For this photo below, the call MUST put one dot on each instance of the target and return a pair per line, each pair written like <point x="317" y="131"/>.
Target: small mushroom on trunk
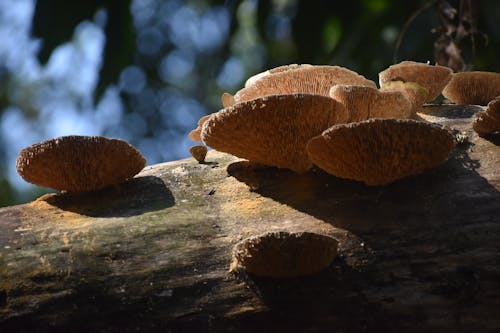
<point x="432" y="78"/>
<point x="273" y="130"/>
<point x="199" y="152"/>
<point x="367" y="102"/>
<point x="284" y="254"/>
<point x="79" y="163"/>
<point x="477" y="88"/>
<point x="380" y="151"/>
<point x="488" y="122"/>
<point x="295" y="80"/>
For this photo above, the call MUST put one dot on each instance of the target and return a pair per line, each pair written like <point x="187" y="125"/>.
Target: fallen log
<point x="419" y="255"/>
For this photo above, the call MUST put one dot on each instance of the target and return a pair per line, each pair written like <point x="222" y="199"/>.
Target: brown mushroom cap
<point x="493" y="108"/>
<point x="303" y="79"/>
<point x="199" y="153"/>
<point x="195" y="134"/>
<point x="273" y="130"/>
<point x="416" y="94"/>
<point x="227" y="99"/>
<point x="477" y="88"/>
<point x="432" y="78"/>
<point x="251" y="80"/>
<point x="79" y="163"/>
<point x="284" y="254"/>
<point x="367" y="102"/>
<point x="485" y="124"/>
<point x="380" y="151"/>
<point x="488" y="121"/>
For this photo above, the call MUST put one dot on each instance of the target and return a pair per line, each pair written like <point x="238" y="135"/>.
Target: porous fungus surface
<point x="488" y="121"/>
<point x="485" y="124"/>
<point x="284" y="254"/>
<point x="432" y="78"/>
<point x="79" y="163"/>
<point x="414" y="92"/>
<point x="273" y="130"/>
<point x="380" y="151"/>
<point x="303" y="79"/>
<point x="198" y="152"/>
<point x="367" y="102"/>
<point x="254" y="78"/>
<point x="477" y="88"/>
<point x="493" y="108"/>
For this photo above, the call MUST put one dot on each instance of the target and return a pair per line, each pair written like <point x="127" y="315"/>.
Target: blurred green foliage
<point x="55" y="20"/>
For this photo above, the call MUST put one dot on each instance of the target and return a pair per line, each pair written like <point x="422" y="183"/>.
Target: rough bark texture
<point x="419" y="255"/>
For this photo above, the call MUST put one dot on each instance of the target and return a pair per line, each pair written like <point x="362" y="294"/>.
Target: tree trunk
<point x="419" y="255"/>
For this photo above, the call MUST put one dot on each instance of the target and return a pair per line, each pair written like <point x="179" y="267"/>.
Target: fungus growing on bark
<point x="284" y="254"/>
<point x="432" y="78"/>
<point x="416" y="94"/>
<point x="302" y="79"/>
<point x="380" y="151"/>
<point x="273" y="130"/>
<point x="251" y="80"/>
<point x="488" y="121"/>
<point x="199" y="153"/>
<point x="195" y="134"/>
<point x="227" y="100"/>
<point x="79" y="163"/>
<point x="367" y="102"/>
<point x="477" y="88"/>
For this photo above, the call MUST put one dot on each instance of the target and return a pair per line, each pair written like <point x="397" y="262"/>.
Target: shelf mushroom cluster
<point x="297" y="116"/>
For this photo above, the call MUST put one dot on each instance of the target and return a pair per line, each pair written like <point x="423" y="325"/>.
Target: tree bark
<point x="419" y="255"/>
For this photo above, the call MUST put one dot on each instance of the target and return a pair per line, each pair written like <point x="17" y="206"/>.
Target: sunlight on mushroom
<point x="303" y="79"/>
<point x="79" y="163"/>
<point x="380" y="151"/>
<point x="273" y="130"/>
<point x="477" y="88"/>
<point x="366" y="102"/>
<point x="432" y="78"/>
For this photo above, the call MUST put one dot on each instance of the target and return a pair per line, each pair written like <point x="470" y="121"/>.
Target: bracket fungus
<point x="273" y="130"/>
<point x="228" y="100"/>
<point x="380" y="151"/>
<point x="79" y="163"/>
<point x="254" y="78"/>
<point x="488" y="122"/>
<point x="199" y="153"/>
<point x="432" y="78"/>
<point x="367" y="102"/>
<point x="195" y="134"/>
<point x="477" y="88"/>
<point x="306" y="79"/>
<point x="284" y="254"/>
<point x="416" y="94"/>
